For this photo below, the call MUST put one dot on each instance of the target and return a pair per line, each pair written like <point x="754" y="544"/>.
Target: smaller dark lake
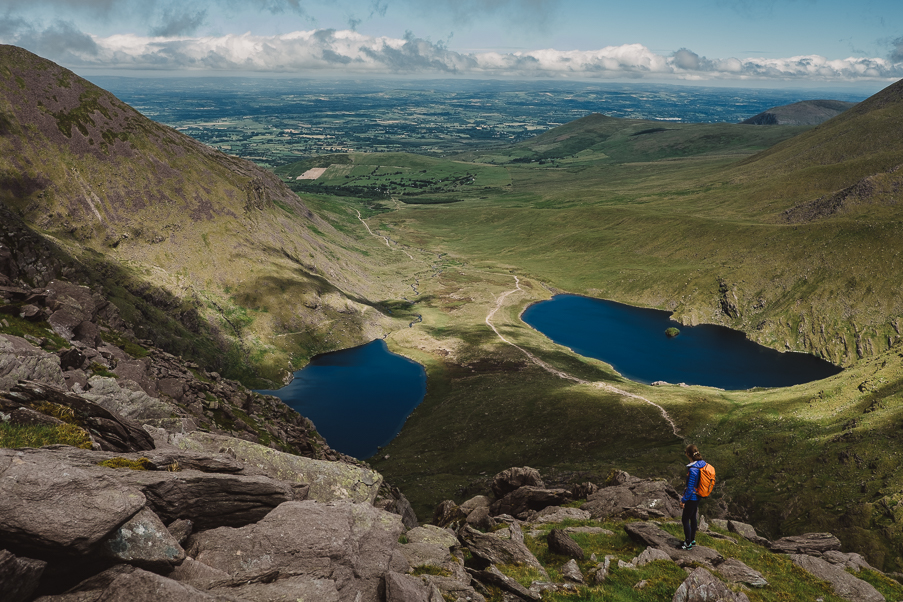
<point x="358" y="398"/>
<point x="633" y="341"/>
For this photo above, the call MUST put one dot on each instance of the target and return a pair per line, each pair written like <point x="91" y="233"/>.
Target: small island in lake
<point x="672" y="332"/>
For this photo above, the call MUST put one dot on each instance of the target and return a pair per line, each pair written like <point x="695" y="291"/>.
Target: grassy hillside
<point x="806" y="112"/>
<point x="214" y="256"/>
<point x="695" y="234"/>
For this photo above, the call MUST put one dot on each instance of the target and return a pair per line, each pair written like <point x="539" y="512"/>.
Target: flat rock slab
<point x="557" y="514"/>
<point x="353" y="545"/>
<point x="49" y="506"/>
<point x="809" y="543"/>
<point x="736" y="571"/>
<point x="845" y="585"/>
<point x="328" y="481"/>
<point x="495" y="578"/>
<point x="654" y="536"/>
<point x="702" y="586"/>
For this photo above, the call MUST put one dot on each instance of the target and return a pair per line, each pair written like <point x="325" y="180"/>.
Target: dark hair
<point x="693" y="452"/>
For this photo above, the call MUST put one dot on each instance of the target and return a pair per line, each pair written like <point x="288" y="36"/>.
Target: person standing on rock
<point x="690" y="500"/>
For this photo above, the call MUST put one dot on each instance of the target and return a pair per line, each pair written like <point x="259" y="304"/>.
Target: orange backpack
<point x="706" y="480"/>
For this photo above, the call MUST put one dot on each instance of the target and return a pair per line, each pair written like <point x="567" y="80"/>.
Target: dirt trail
<point x="385" y="238"/>
<point x="565" y="375"/>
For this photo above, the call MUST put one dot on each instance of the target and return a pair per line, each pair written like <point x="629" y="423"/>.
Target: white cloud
<point x="347" y="51"/>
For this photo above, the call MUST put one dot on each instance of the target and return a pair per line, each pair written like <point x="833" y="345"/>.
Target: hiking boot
<point x="687" y="546"/>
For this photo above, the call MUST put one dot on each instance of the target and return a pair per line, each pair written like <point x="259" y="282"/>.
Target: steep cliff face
<point x="208" y="241"/>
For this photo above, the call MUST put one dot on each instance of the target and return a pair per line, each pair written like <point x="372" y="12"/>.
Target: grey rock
<point x="494" y="578"/>
<point x="720" y="523"/>
<point x="847" y="586"/>
<point x="479" y="501"/>
<point x="19" y="577"/>
<point x="124" y="582"/>
<point x="64" y="322"/>
<point x="849" y="561"/>
<point x="571" y="572"/>
<point x="353" y="545"/>
<point x="702" y="586"/>
<point x="145" y="542"/>
<point x="649" y="497"/>
<point x="180" y="530"/>
<point x="809" y="543"/>
<point x="513" y="478"/>
<point x="583" y="490"/>
<point x="736" y="571"/>
<point x="561" y="543"/>
<point x="76" y="381"/>
<point x="432" y="534"/>
<point x="391" y="499"/>
<point x="747" y="531"/>
<point x="208" y="500"/>
<point x="20" y="360"/>
<point x="505" y="546"/>
<point x="422" y="554"/>
<point x="479" y="518"/>
<point x="454" y="589"/>
<point x="404" y="588"/>
<point x="447" y="514"/>
<point x="79" y="300"/>
<point x="136" y="405"/>
<point x="88" y="333"/>
<point x="557" y="514"/>
<point x="54" y="508"/>
<point x="288" y="588"/>
<point x="199" y="574"/>
<point x="527" y="498"/>
<point x="599" y="573"/>
<point x="654" y="536"/>
<point x="137" y="372"/>
<point x="329" y="481"/>
<point x="650" y="555"/>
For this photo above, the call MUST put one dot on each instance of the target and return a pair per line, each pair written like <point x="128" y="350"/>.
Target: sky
<point x="756" y="42"/>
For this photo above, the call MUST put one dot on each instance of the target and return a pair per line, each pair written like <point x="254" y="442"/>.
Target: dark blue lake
<point x="633" y="341"/>
<point x="358" y="398"/>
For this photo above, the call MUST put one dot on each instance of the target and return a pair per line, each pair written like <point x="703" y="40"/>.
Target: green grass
<point x="16" y="436"/>
<point x="20" y="327"/>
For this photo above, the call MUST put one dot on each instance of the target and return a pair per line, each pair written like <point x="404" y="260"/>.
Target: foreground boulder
<point x="702" y="586"/>
<point x="847" y="586"/>
<point x="50" y="507"/>
<point x="144" y="541"/>
<point x="124" y="582"/>
<point x="647" y="498"/>
<point x="300" y="546"/>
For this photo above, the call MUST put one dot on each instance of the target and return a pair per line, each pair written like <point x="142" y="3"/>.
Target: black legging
<point x="689" y="520"/>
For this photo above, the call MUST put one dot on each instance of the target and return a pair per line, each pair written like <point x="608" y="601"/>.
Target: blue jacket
<point x="692" y="481"/>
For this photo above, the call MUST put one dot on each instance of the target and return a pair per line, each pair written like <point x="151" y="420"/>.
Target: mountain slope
<point x="806" y="112"/>
<point x="212" y="240"/>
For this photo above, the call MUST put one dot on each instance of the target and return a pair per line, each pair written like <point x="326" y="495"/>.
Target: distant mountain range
<point x="807" y="112"/>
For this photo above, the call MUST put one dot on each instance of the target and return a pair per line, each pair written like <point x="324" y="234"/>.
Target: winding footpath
<point x="551" y="369"/>
<point x="386" y="238"/>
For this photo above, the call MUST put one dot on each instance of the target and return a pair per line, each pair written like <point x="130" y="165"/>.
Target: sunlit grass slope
<point x="211" y="256"/>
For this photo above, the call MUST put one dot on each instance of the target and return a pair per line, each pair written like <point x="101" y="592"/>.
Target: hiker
<point x="691" y="497"/>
